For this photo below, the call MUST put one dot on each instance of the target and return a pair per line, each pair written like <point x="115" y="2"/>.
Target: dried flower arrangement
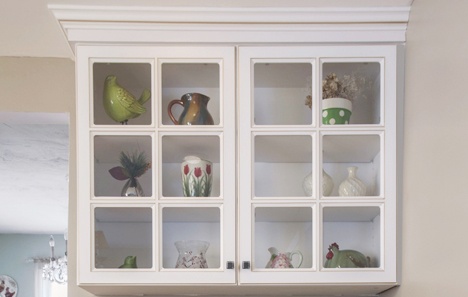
<point x="350" y="86"/>
<point x="132" y="166"/>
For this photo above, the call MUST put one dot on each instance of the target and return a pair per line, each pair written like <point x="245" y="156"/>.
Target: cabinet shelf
<point x="195" y="213"/>
<point x="346" y="148"/>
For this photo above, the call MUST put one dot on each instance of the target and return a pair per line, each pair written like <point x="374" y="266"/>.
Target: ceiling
<point x="34" y="152"/>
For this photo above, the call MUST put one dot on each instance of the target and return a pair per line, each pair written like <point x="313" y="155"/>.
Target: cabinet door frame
<point x="387" y="201"/>
<point x="86" y="55"/>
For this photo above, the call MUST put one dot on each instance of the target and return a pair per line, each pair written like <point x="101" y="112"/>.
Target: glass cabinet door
<point x="316" y="173"/>
<point x="157" y="176"/>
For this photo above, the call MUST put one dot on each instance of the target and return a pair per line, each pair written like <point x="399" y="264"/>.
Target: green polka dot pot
<point x="336" y="111"/>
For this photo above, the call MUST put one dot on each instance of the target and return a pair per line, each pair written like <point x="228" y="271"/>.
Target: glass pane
<point x="351" y="237"/>
<point x="123" y="237"/>
<point x="351" y="93"/>
<point x="283" y="230"/>
<point x="191" y="166"/>
<point x="179" y="79"/>
<point x="122" y="93"/>
<point x="122" y="166"/>
<point x="191" y="237"/>
<point x="281" y="92"/>
<point x="353" y="163"/>
<point x="281" y="164"/>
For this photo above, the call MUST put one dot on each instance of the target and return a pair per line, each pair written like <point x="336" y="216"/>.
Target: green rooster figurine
<point x="129" y="262"/>
<point x="119" y="104"/>
<point x="345" y="258"/>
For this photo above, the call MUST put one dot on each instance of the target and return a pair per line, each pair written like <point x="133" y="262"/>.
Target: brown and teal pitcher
<point x="195" y="110"/>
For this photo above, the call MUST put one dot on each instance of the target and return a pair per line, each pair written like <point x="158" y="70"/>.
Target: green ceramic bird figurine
<point x="345" y="258"/>
<point x="129" y="262"/>
<point x="121" y="105"/>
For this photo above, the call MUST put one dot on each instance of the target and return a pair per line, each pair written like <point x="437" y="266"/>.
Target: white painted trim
<point x="232" y="25"/>
<point x="124" y="33"/>
<point x="250" y="15"/>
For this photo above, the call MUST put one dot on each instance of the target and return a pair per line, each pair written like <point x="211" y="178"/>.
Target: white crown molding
<point x="250" y="15"/>
<point x="137" y="24"/>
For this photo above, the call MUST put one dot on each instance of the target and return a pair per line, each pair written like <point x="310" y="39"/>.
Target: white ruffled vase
<point x="352" y="186"/>
<point x="327" y="184"/>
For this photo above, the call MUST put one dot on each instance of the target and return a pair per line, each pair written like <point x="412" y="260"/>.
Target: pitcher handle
<point x="299" y="254"/>
<point x="169" y="109"/>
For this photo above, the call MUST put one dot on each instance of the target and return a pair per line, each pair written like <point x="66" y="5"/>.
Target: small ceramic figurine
<point x="195" y="110"/>
<point x="129" y="262"/>
<point x="345" y="258"/>
<point x="283" y="259"/>
<point x="119" y="104"/>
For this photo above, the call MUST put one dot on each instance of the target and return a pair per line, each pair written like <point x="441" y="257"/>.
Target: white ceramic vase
<point x="352" y="186"/>
<point x="327" y="184"/>
<point x="197" y="177"/>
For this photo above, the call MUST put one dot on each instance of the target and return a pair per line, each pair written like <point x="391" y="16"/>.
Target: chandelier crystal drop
<point x="56" y="270"/>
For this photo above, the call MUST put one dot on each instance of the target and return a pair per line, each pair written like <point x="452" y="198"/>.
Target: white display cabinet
<point x="282" y="144"/>
<point x="272" y="135"/>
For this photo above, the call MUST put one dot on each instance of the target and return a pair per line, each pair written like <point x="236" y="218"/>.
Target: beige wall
<point x="45" y="85"/>
<point x="435" y="203"/>
<point x="435" y="195"/>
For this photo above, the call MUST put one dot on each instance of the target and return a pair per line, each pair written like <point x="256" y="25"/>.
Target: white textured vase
<point x="352" y="186"/>
<point x="327" y="184"/>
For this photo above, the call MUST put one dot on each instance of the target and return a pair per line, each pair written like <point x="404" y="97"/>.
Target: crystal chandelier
<point x="56" y="269"/>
